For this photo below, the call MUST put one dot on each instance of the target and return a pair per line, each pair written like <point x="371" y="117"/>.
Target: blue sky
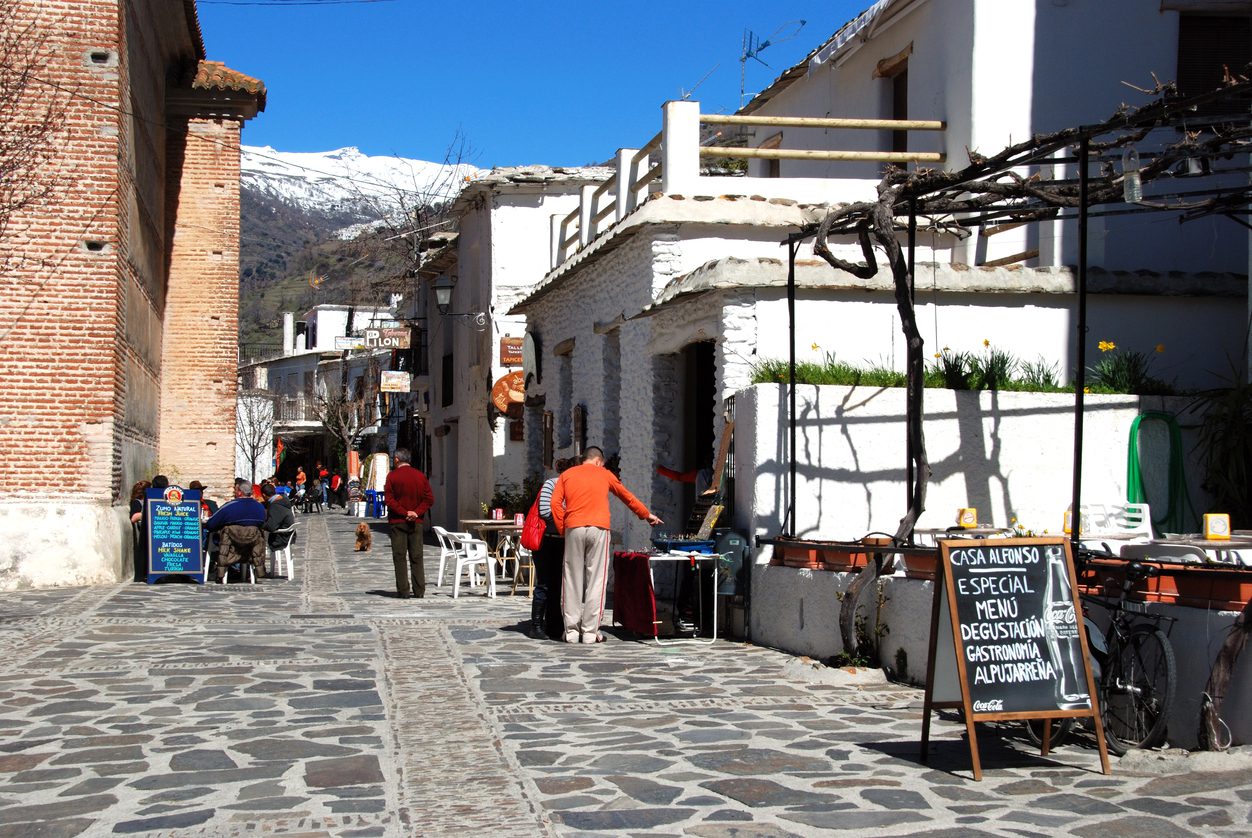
<point x="562" y="83"/>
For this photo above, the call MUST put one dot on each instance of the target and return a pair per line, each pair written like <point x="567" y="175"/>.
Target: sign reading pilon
<point x="1007" y="639"/>
<point x="386" y="338"/>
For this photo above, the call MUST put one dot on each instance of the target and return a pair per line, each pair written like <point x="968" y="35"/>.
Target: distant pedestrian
<point x="408" y="498"/>
<point x="580" y="510"/>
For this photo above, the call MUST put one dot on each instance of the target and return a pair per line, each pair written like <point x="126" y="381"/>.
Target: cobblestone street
<point x="326" y="706"/>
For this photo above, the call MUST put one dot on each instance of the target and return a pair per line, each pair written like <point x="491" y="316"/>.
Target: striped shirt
<point x="545" y="504"/>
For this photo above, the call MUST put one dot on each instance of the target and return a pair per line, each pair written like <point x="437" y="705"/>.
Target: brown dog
<point x="364" y="538"/>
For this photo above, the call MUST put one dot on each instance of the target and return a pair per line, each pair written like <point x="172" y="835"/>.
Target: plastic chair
<point x="1125" y="522"/>
<point x="525" y="565"/>
<point x="475" y="553"/>
<point x="449" y="548"/>
<point x="279" y="555"/>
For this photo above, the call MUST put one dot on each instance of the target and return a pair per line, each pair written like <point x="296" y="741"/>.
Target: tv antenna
<point x="686" y="94"/>
<point x="753" y="46"/>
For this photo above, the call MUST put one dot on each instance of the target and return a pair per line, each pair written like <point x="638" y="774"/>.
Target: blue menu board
<point x="174" y="533"/>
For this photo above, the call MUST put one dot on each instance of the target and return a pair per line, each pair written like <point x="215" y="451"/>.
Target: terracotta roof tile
<point x="214" y="75"/>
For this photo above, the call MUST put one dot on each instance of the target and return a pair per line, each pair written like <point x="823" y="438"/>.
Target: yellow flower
<point x="986" y="342"/>
<point x="1086" y="389"/>
<point x="938" y="354"/>
<point x="815" y="346"/>
<point x="1160" y="347"/>
<point x="1106" y="346"/>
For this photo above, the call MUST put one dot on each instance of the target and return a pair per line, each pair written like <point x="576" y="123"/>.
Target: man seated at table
<point x="278" y="515"/>
<point x="237" y="530"/>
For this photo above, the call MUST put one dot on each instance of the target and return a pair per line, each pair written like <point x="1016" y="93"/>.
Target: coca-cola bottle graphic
<point x="1060" y="622"/>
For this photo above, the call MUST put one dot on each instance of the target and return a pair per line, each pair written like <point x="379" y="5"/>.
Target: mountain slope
<point x="317" y="228"/>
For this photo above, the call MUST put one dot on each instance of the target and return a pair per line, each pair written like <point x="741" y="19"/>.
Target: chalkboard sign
<point x="174" y="533"/>
<point x="1007" y="638"/>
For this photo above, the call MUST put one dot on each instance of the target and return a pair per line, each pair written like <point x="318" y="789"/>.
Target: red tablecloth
<point x="634" y="601"/>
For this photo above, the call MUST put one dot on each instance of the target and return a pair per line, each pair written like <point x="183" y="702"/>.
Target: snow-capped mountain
<point x="347" y="182"/>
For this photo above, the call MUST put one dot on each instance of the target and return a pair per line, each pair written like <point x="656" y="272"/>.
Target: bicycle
<point x="1133" y="667"/>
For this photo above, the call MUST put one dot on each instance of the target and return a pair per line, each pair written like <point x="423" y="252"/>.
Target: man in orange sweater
<point x="580" y="510"/>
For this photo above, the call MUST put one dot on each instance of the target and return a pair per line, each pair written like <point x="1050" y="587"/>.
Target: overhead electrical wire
<point x="279" y="3"/>
<point x="442" y="194"/>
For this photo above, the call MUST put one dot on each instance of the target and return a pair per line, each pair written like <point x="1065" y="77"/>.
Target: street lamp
<point x="443" y="293"/>
<point x="443" y="301"/>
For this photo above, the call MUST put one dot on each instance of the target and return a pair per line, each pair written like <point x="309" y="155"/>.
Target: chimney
<point x="289" y="332"/>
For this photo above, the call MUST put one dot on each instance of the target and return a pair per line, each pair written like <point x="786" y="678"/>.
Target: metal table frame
<point x="678" y="556"/>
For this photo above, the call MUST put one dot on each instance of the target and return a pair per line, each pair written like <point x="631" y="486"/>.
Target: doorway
<point x="699" y="410"/>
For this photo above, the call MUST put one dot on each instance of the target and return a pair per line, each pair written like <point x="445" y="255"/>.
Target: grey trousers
<point x="582" y="582"/>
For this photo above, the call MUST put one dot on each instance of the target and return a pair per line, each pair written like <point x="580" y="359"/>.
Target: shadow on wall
<point x="1003" y="453"/>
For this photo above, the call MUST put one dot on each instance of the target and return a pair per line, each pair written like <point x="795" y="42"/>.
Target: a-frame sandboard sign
<point x="1007" y="639"/>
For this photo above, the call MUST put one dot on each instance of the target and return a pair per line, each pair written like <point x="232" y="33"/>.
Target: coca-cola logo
<point x="1060" y="615"/>
<point x="990" y="705"/>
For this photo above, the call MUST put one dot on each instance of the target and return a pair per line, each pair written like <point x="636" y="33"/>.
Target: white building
<point x="664" y="292"/>
<point x="499" y="253"/>
<point x="291" y="387"/>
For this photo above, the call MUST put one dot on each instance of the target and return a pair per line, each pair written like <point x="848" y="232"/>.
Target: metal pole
<point x="1080" y="381"/>
<point x="792" y="246"/>
<point x="910" y="475"/>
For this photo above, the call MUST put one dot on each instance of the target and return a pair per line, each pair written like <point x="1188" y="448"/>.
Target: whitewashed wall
<point x="994" y="71"/>
<point x="1007" y="454"/>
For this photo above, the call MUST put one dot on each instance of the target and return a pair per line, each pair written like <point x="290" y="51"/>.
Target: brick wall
<point x="59" y="312"/>
<point x="118" y="295"/>
<point x="198" y="383"/>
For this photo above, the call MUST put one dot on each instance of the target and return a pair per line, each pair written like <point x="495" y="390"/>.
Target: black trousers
<point x="406" y="555"/>
<point x="549" y="560"/>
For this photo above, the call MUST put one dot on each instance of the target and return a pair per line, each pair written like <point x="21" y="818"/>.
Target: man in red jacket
<point x="408" y="497"/>
<point x="580" y="510"/>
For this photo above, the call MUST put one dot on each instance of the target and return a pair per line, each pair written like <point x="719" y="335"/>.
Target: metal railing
<point x="295" y="409"/>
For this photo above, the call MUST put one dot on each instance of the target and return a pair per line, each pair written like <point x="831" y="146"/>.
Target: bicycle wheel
<point x="1060" y="731"/>
<point x="1137" y="691"/>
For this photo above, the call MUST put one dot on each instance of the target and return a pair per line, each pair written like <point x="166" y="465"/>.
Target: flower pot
<point x="842" y="559"/>
<point x="920" y="566"/>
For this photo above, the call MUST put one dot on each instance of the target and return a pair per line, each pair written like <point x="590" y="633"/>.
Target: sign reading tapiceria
<point x="1007" y="640"/>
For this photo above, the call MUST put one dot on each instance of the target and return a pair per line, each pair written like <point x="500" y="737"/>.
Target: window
<point x="445" y="381"/>
<point x="900" y="107"/>
<point x="1208" y="45"/>
<point x="772" y="168"/>
<point x="895" y="69"/>
<point x="547" y="439"/>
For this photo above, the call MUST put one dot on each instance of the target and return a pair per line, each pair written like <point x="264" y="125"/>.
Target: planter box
<point x="1195" y="586"/>
<point x="1219" y="589"/>
<point x="818" y="555"/>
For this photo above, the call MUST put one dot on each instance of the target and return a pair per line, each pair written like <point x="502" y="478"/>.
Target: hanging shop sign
<point x="507" y="390"/>
<point x="348" y="344"/>
<point x="511" y="354"/>
<point x="397" y="338"/>
<point x="391" y="381"/>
